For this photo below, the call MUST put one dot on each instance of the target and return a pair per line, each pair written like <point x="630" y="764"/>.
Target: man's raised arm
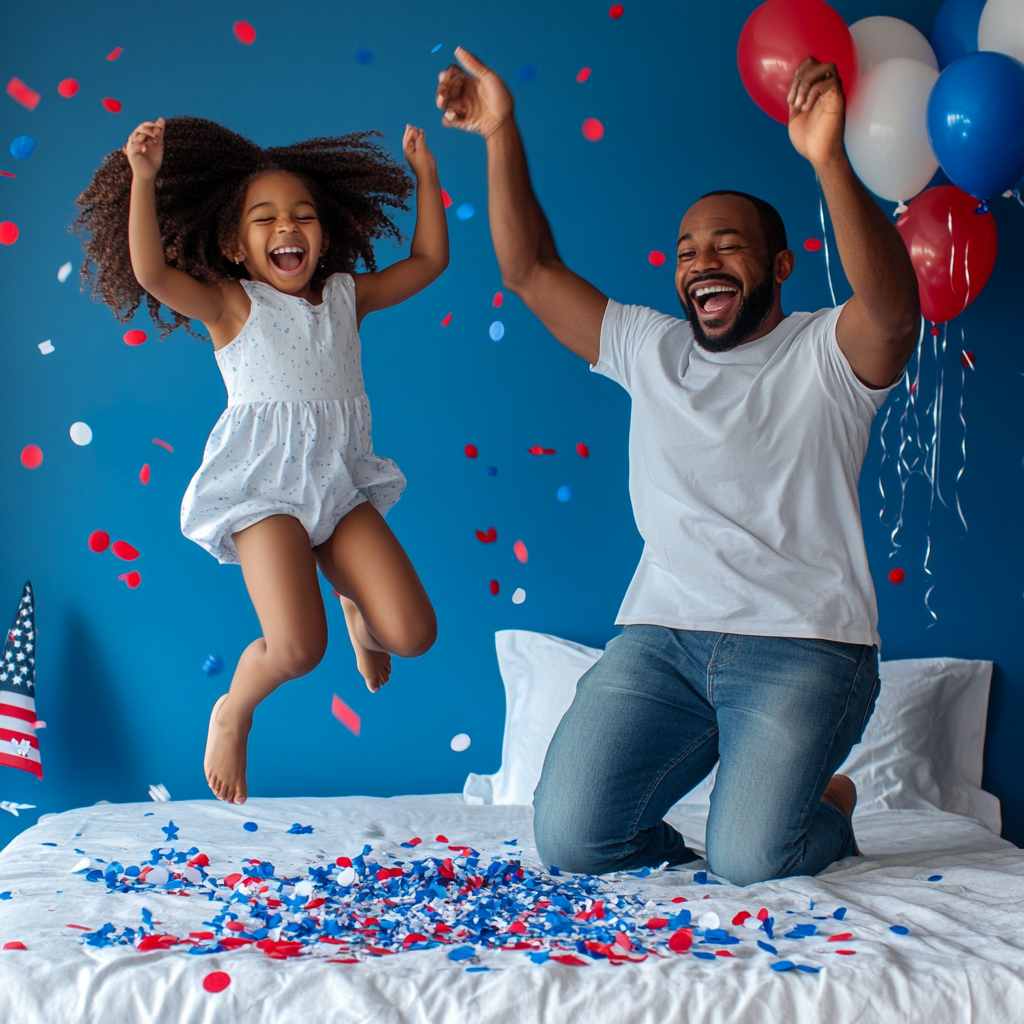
<point x="569" y="307"/>
<point x="878" y="327"/>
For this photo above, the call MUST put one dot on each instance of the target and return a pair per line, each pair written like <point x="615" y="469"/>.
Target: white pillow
<point x="922" y="747"/>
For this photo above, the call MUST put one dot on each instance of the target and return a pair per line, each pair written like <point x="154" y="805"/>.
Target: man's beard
<point x="754" y="309"/>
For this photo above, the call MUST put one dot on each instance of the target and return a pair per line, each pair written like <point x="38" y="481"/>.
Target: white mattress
<point x="963" y="959"/>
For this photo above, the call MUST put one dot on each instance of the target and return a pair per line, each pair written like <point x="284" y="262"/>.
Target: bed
<point x="435" y="908"/>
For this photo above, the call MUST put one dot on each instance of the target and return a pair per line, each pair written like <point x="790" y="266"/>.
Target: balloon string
<point x="940" y="389"/>
<point x="903" y="468"/>
<point x="963" y="424"/>
<point x="881" y="464"/>
<point x="824" y="236"/>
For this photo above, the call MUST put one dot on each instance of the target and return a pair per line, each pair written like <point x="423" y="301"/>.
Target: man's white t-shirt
<point x="743" y="469"/>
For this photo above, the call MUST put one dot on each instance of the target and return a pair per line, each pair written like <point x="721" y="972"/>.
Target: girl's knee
<point x="297" y="658"/>
<point x="411" y="637"/>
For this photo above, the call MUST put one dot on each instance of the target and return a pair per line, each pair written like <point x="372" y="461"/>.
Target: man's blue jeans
<point x="652" y="717"/>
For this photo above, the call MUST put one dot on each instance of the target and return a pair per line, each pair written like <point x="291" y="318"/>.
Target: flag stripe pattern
<point x="19" y="747"/>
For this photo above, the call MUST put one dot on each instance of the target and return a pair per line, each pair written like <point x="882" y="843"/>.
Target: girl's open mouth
<point x="288" y="258"/>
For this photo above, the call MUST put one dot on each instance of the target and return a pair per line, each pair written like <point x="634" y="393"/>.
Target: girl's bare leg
<point x="280" y="573"/>
<point x="387" y="611"/>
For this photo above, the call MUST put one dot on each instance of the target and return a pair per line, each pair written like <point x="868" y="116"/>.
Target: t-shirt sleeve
<point x="840" y="380"/>
<point x="624" y="331"/>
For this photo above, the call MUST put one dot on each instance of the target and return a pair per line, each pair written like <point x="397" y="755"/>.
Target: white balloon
<point x="887" y="130"/>
<point x="1001" y="27"/>
<point x="881" y="38"/>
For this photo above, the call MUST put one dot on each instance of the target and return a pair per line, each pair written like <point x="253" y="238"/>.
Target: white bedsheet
<point x="963" y="959"/>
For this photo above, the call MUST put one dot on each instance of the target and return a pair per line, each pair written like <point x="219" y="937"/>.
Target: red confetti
<point x="655" y="258"/>
<point x="163" y="444"/>
<point x="14" y="944"/>
<point x="593" y="130"/>
<point x="582" y="451"/>
<point x="935" y="332"/>
<point x="7" y="174"/>
<point x="897" y="576"/>
<point x="125" y="551"/>
<point x="156" y="942"/>
<point x="681" y="940"/>
<point x="31" y="456"/>
<point x="112" y="105"/>
<point x="846" y="952"/>
<point x="520" y="549"/>
<point x="967" y="359"/>
<point x="216" y="981"/>
<point x="343" y="862"/>
<point x="8" y="232"/>
<point x="569" y="960"/>
<point x="445" y="198"/>
<point x="616" y="11"/>
<point x="67" y="88"/>
<point x="657" y="922"/>
<point x="678" y="899"/>
<point x="144" y="473"/>
<point x="762" y="914"/>
<point x="235" y="926"/>
<point x="840" y="938"/>
<point x="135" y="337"/>
<point x="487" y="538"/>
<point x="447" y="320"/>
<point x="415" y="842"/>
<point x="723" y="952"/>
<point x="133" y="579"/>
<point x="441" y="839"/>
<point x="812" y="244"/>
<point x="498" y="299"/>
<point x="21" y="93"/>
<point x="741" y="917"/>
<point x="244" y="33"/>
<point x="471" y="451"/>
<point x="344" y="714"/>
<point x="622" y="939"/>
<point x="86" y="928"/>
<point x="99" y="540"/>
<point x="583" y="74"/>
<point x="115" y="53"/>
<point x="537" y="450"/>
<point x="495" y="587"/>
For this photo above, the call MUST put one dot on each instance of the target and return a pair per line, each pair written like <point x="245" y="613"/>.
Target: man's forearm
<point x="875" y="260"/>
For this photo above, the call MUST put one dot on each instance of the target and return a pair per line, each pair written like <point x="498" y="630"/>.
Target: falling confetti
<point x="31" y="456"/>
<point x="538" y="450"/>
<point x="593" y="130"/>
<point x="499" y="298"/>
<point x="519" y="596"/>
<point x="46" y="347"/>
<point x="115" y="53"/>
<point x="564" y="493"/>
<point x="22" y="147"/>
<point x="132" y="579"/>
<point x="67" y="88"/>
<point x="134" y="337"/>
<point x="616" y="11"/>
<point x="527" y="73"/>
<point x="655" y="258"/>
<point x="8" y="232"/>
<point x="163" y="444"/>
<point x="812" y="244"/>
<point x="81" y="433"/>
<point x="13" y="808"/>
<point x="21" y="93"/>
<point x="445" y="198"/>
<point x="216" y="981"/>
<point x="582" y="450"/>
<point x="471" y="451"/>
<point x="111" y="105"/>
<point x="159" y="793"/>
<point x="64" y="272"/>
<point x="496" y="331"/>
<point x="495" y="587"/>
<point x="460" y="742"/>
<point x="144" y="474"/>
<point x="244" y="33"/>
<point x="520" y="551"/>
<point x="583" y="74"/>
<point x="465" y="211"/>
<point x="434" y="49"/>
<point x="213" y="665"/>
<point x="123" y="550"/>
<point x="364" y="56"/>
<point x="487" y="538"/>
<point x="447" y="320"/>
<point x="492" y="470"/>
<point x="344" y="714"/>
<point x="897" y="576"/>
<point x="99" y="540"/>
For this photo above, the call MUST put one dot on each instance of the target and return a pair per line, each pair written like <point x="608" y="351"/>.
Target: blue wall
<point x="119" y="677"/>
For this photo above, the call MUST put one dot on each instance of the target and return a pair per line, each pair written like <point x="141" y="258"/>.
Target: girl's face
<point x="280" y="238"/>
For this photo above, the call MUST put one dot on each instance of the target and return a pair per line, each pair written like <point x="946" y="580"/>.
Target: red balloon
<point x="778" y="36"/>
<point x="953" y="249"/>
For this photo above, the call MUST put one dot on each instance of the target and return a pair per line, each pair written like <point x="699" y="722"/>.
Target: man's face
<point x="726" y="281"/>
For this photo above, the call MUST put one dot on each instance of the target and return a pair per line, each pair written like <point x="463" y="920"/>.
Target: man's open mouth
<point x="714" y="299"/>
<point x="288" y="258"/>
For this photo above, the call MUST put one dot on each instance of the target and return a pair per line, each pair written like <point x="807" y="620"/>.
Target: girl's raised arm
<point x="174" y="288"/>
<point x="428" y="256"/>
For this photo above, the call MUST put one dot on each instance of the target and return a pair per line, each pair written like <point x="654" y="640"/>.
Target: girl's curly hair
<point x="200" y="188"/>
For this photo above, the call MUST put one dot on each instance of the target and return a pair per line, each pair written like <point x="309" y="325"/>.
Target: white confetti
<point x="304" y="888"/>
<point x="519" y="596"/>
<point x="193" y="875"/>
<point x="752" y="923"/>
<point x="158" y="876"/>
<point x="346" y="876"/>
<point x="82" y="865"/>
<point x="65" y="272"/>
<point x="13" y="808"/>
<point x="460" y="742"/>
<point x="46" y="347"/>
<point x="709" y="920"/>
<point x="159" y="794"/>
<point x="81" y="433"/>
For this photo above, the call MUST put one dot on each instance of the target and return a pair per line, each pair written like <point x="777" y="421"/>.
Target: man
<point x="750" y="625"/>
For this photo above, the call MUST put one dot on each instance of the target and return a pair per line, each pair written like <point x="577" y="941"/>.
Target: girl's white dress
<point x="295" y="437"/>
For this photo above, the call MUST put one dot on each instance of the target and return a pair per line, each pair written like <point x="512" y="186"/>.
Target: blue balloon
<point x="976" y="122"/>
<point x="955" y="31"/>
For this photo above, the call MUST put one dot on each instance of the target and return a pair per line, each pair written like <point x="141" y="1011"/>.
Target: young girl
<point x="260" y="246"/>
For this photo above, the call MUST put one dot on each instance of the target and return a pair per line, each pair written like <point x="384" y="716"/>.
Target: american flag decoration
<point x="19" y="747"/>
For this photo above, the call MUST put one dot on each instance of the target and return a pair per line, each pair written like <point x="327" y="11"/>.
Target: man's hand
<point x="475" y="102"/>
<point x="817" y="112"/>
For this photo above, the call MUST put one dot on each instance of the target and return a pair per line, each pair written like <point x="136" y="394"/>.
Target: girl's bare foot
<point x="224" y="762"/>
<point x="842" y="793"/>
<point x="374" y="666"/>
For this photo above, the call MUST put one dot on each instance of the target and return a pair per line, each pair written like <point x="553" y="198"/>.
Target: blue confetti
<point x="935" y="878"/>
<point x="782" y="965"/>
<point x="839" y="914"/>
<point x="565" y="493"/>
<point x="704" y="956"/>
<point x="768" y="924"/>
<point x="470" y="970"/>
<point x="462" y="953"/>
<point x="510" y="842"/>
<point x="5" y="895"/>
<point x="434" y="49"/>
<point x="212" y="665"/>
<point x="768" y="948"/>
<point x="898" y="929"/>
<point x="527" y="73"/>
<point x="492" y="470"/>
<point x="47" y="844"/>
<point x="300" y="830"/>
<point x="802" y="931"/>
<point x="700" y="878"/>
<point x="807" y="969"/>
<point x="364" y="56"/>
<point x="250" y="826"/>
<point x="170" y="830"/>
<point x="497" y="329"/>
<point x="539" y="958"/>
<point x="465" y="211"/>
<point x="22" y="146"/>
